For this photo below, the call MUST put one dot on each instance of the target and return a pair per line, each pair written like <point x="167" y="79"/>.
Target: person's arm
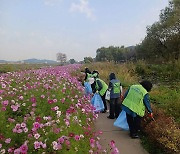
<point x="121" y="89"/>
<point x="110" y="86"/>
<point x="126" y="93"/>
<point x="146" y="101"/>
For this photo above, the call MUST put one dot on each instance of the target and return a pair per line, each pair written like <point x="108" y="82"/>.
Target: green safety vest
<point x="88" y="76"/>
<point x="134" y="99"/>
<point x="104" y="88"/>
<point x="116" y="87"/>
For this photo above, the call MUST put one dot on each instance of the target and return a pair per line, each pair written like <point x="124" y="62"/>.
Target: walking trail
<point x="123" y="142"/>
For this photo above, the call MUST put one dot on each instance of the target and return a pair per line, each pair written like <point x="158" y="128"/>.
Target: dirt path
<point x="124" y="143"/>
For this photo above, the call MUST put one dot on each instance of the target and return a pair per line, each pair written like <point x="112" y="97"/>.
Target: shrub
<point x="163" y="132"/>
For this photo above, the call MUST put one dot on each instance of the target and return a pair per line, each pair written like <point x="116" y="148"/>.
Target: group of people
<point x="134" y="102"/>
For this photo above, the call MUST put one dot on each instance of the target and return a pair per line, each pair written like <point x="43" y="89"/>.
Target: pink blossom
<point x="17" y="151"/>
<point x="115" y="151"/>
<point x="8" y="140"/>
<point x="36" y="145"/>
<point x="10" y="150"/>
<point x="14" y="107"/>
<point x="61" y="140"/>
<point x="21" y="97"/>
<point x="42" y="96"/>
<point x="25" y="129"/>
<point x="24" y="148"/>
<point x="5" y="103"/>
<point x="0" y="145"/>
<point x="77" y="137"/>
<point x="11" y="120"/>
<point x="67" y="142"/>
<point x="36" y="136"/>
<point x="19" y="131"/>
<point x="3" y="85"/>
<point x="33" y="99"/>
<point x="112" y="144"/>
<point x="23" y="125"/>
<point x="36" y="125"/>
<point x="3" y="108"/>
<point x="44" y="145"/>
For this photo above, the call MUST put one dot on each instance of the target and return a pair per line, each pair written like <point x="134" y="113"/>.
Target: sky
<point x="42" y="28"/>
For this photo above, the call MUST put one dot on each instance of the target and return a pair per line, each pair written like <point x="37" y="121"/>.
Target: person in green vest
<point x="100" y="87"/>
<point x="136" y="100"/>
<point x="115" y="89"/>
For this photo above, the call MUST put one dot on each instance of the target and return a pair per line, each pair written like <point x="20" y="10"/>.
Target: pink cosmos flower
<point x="36" y="136"/>
<point x="67" y="142"/>
<point x="24" y="148"/>
<point x="36" y="145"/>
<point x="10" y="150"/>
<point x="42" y="96"/>
<point x="19" y="131"/>
<point x="23" y="125"/>
<point x="115" y="151"/>
<point x="21" y="97"/>
<point x="61" y="140"/>
<point x="33" y="99"/>
<point x="11" y="120"/>
<point x="36" y="125"/>
<point x="38" y="119"/>
<point x="25" y="129"/>
<point x="77" y="137"/>
<point x="17" y="151"/>
<point x="3" y="108"/>
<point x="112" y="144"/>
<point x="5" y="103"/>
<point x="8" y="140"/>
<point x="14" y="107"/>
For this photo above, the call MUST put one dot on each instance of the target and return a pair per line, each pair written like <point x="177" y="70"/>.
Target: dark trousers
<point x="114" y="107"/>
<point x="104" y="101"/>
<point x="134" y="123"/>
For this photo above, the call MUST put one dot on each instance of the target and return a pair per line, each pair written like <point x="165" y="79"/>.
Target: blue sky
<point x="42" y="28"/>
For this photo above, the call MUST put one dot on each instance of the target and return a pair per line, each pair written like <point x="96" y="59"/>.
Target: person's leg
<point x="104" y="102"/>
<point x="117" y="107"/>
<point x="137" y="123"/>
<point x="112" y="108"/>
<point x="130" y="121"/>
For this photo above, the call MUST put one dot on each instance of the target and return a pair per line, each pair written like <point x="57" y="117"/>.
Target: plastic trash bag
<point x="91" y="80"/>
<point x="88" y="89"/>
<point x="121" y="121"/>
<point x="107" y="97"/>
<point x="97" y="102"/>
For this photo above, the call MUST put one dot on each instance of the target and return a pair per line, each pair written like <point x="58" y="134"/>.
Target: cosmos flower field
<point x="46" y="111"/>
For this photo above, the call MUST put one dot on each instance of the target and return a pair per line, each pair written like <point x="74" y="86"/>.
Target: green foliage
<point x="88" y="59"/>
<point x="163" y="37"/>
<point x="116" y="54"/>
<point x="72" y="61"/>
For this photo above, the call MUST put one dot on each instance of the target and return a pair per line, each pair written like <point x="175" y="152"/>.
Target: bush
<point x="163" y="132"/>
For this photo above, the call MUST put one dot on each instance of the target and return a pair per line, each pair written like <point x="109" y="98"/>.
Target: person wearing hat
<point x="115" y="89"/>
<point x="100" y="87"/>
<point x="136" y="99"/>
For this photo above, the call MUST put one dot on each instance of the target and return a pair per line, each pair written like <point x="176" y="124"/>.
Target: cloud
<point x="51" y="2"/>
<point x="83" y="7"/>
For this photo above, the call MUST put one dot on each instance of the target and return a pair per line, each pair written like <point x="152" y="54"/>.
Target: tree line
<point x="161" y="43"/>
